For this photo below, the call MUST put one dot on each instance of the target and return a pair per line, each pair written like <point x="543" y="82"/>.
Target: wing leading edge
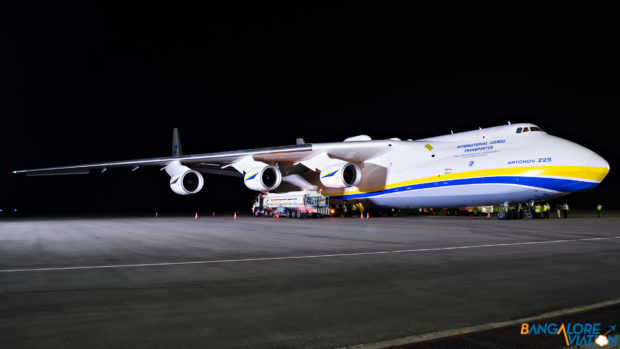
<point x="287" y="157"/>
<point x="207" y="161"/>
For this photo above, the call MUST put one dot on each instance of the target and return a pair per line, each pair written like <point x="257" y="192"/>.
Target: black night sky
<point x="81" y="83"/>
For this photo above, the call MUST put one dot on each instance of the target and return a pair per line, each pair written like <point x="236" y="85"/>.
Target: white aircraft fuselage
<point x="511" y="163"/>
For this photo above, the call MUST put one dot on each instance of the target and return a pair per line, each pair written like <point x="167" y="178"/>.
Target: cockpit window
<point x="528" y="129"/>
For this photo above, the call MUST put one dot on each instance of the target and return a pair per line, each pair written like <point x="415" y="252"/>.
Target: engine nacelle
<point x="186" y="181"/>
<point x="263" y="178"/>
<point x="341" y="175"/>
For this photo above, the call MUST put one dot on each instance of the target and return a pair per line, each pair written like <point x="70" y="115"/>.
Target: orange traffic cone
<point x="213" y="213"/>
<point x="156" y="214"/>
<point x="235" y="215"/>
<point x="488" y="214"/>
<point x="196" y="216"/>
<point x="367" y="215"/>
<point x="361" y="216"/>
<point x="277" y="215"/>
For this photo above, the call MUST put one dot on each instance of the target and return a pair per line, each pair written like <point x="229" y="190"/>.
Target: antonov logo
<point x="330" y="174"/>
<point x="251" y="177"/>
<point x="582" y="334"/>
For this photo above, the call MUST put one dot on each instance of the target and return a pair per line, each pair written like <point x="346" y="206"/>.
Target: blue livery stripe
<point x="557" y="184"/>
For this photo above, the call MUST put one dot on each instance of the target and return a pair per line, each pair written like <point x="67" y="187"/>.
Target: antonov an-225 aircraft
<point x="498" y="165"/>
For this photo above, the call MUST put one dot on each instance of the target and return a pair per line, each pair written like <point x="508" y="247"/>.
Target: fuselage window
<point x="526" y="129"/>
<point x="519" y="129"/>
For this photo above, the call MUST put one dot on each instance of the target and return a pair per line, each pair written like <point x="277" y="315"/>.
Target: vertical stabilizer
<point x="176" y="143"/>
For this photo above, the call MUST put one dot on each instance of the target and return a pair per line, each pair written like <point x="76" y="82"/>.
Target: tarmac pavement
<point x="265" y="283"/>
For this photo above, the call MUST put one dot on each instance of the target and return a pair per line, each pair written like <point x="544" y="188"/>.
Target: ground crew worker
<point x="537" y="210"/>
<point x="546" y="209"/>
<point x="559" y="211"/>
<point x="599" y="208"/>
<point x="520" y="211"/>
<point x="565" y="209"/>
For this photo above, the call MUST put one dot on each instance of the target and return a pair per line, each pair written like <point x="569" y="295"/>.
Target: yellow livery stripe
<point x="572" y="172"/>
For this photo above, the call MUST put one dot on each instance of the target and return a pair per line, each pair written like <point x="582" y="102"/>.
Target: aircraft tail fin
<point x="176" y="143"/>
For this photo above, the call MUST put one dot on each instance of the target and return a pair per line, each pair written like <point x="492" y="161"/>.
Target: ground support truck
<point x="299" y="204"/>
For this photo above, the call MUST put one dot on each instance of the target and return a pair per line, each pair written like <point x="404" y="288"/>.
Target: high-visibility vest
<point x="599" y="207"/>
<point x="537" y="209"/>
<point x="566" y="207"/>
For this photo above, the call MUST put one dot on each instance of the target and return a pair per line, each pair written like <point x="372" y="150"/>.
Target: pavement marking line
<point x="479" y="328"/>
<point x="492" y="228"/>
<point x="260" y="259"/>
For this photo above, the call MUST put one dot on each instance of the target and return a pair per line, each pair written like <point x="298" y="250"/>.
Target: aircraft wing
<point x="219" y="163"/>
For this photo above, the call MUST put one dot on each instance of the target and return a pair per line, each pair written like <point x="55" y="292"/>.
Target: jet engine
<point x="263" y="178"/>
<point x="341" y="175"/>
<point x="186" y="181"/>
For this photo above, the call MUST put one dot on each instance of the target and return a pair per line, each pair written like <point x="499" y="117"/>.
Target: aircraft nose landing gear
<point x="502" y="215"/>
<point x="516" y="212"/>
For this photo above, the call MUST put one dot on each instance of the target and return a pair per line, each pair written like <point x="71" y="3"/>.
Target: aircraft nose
<point x="597" y="161"/>
<point x="598" y="166"/>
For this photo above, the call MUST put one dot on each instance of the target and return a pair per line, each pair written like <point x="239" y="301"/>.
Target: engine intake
<point x="263" y="178"/>
<point x="186" y="182"/>
<point x="341" y="176"/>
